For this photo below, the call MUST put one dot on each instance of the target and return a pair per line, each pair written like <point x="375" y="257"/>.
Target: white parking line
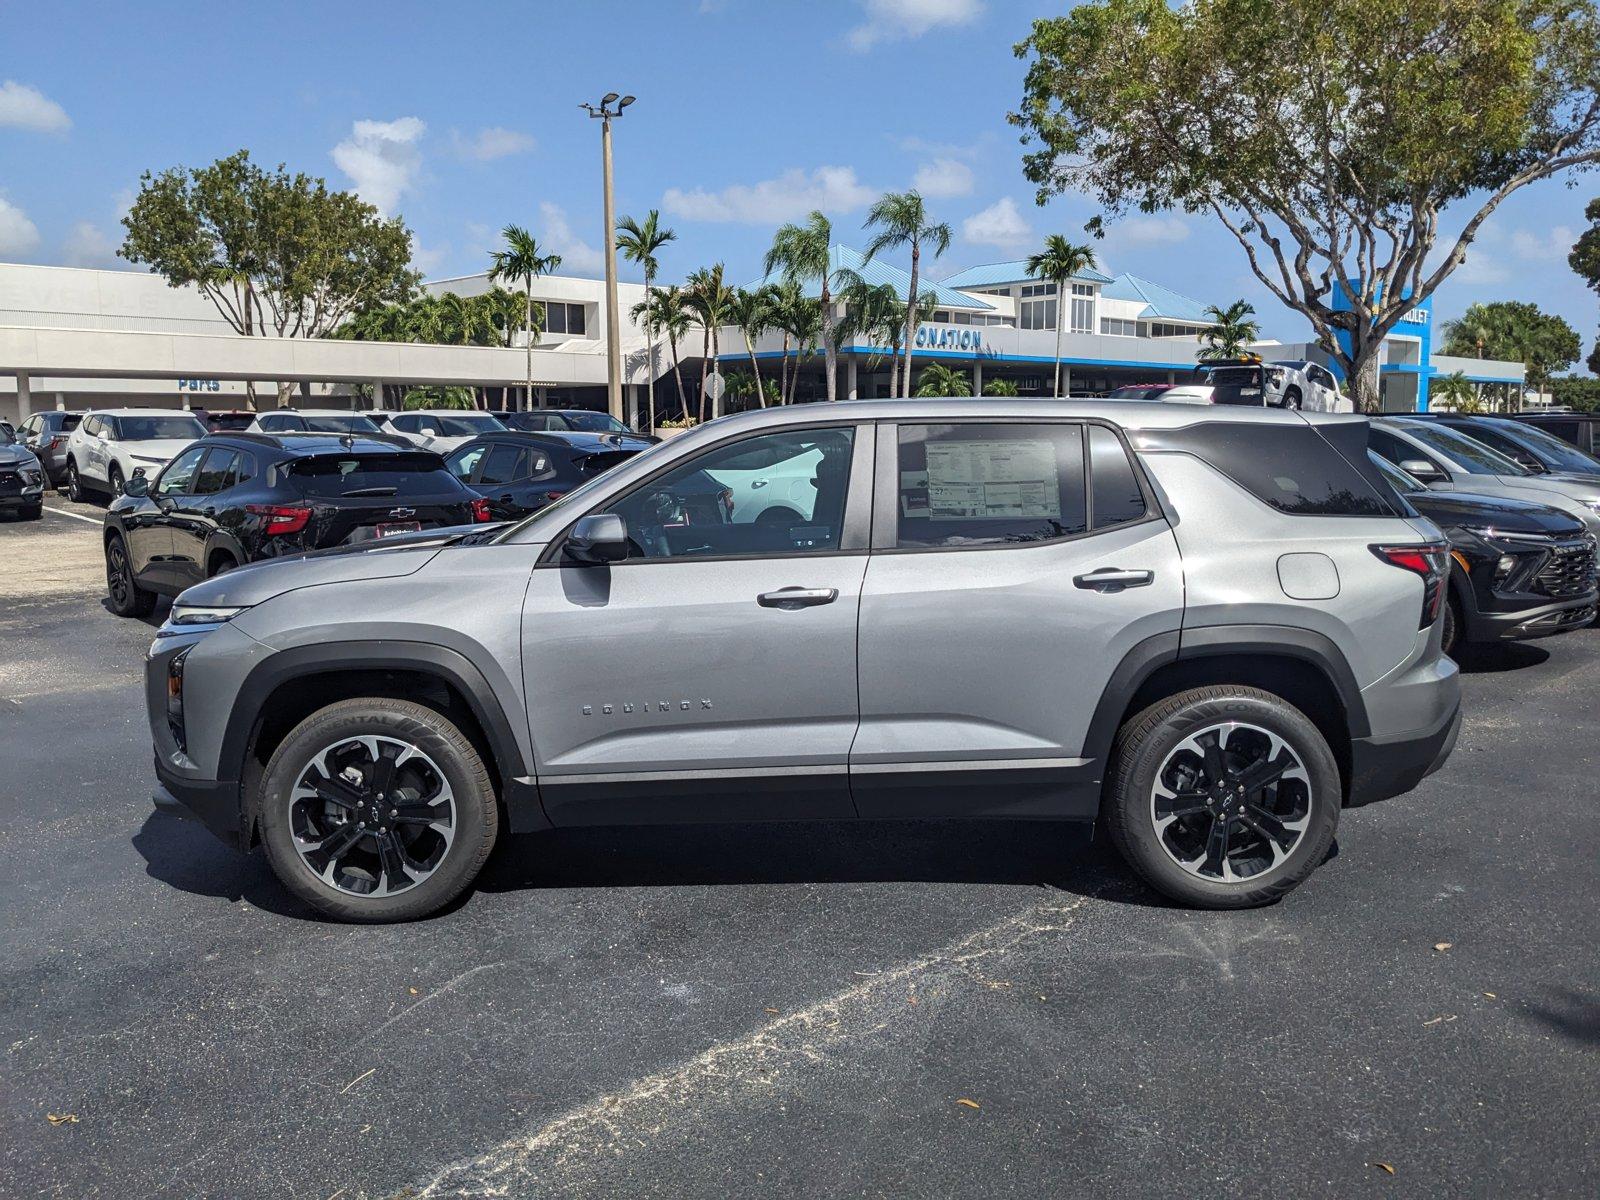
<point x="61" y="512"/>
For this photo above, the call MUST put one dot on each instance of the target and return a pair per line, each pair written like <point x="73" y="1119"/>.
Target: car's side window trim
<point x="855" y="533"/>
<point x="885" y="508"/>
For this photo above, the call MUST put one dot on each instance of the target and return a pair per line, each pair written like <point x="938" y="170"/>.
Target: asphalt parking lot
<point x="886" y="1010"/>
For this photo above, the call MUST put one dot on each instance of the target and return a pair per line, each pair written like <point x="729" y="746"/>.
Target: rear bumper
<point x="1384" y="767"/>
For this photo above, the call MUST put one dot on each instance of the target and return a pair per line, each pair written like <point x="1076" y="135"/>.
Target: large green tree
<point x="804" y="253"/>
<point x="278" y="254"/>
<point x="666" y="311"/>
<point x="1515" y="331"/>
<point x="1332" y="138"/>
<point x="1585" y="260"/>
<point x="639" y="241"/>
<point x="521" y="260"/>
<point x="901" y="220"/>
<point x="1059" y="262"/>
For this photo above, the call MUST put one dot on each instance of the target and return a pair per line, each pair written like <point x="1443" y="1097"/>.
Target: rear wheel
<point x="377" y="810"/>
<point x="1222" y="797"/>
<point x="33" y="513"/>
<point x="220" y="564"/>
<point x="127" y="598"/>
<point x="1452" y="626"/>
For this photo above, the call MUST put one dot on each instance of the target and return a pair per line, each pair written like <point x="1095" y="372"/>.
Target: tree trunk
<point x="894" y="366"/>
<point x="1360" y="369"/>
<point x="783" y="382"/>
<point x="527" y="337"/>
<point x="755" y="369"/>
<point x="1057" y="391"/>
<point x="705" y="362"/>
<point x="677" y="376"/>
<point x="649" y="422"/>
<point x="911" y="311"/>
<point x="830" y="352"/>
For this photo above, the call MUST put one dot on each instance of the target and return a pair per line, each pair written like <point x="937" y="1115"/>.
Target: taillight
<point x="1430" y="561"/>
<point x="281" y="518"/>
<point x="56" y="443"/>
<point x="480" y="509"/>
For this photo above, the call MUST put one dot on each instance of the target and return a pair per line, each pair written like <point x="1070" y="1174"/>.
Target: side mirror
<point x="598" y="538"/>
<point x="138" y="486"/>
<point x="1421" y="468"/>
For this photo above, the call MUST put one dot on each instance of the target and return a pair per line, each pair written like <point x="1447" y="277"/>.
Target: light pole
<point x="604" y="112"/>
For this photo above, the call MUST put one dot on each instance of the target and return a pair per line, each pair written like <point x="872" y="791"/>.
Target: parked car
<point x="313" y="420"/>
<point x="106" y="448"/>
<point x="1521" y="570"/>
<point x="226" y="420"/>
<point x="1582" y="429"/>
<point x="563" y="420"/>
<point x="1301" y="383"/>
<point x="233" y="499"/>
<point x="46" y="435"/>
<point x="988" y="608"/>
<point x="440" y="430"/>
<point x="21" y="479"/>
<point x="520" y="473"/>
<point x="1530" y="447"/>
<point x="1442" y="458"/>
<point x="1139" y="391"/>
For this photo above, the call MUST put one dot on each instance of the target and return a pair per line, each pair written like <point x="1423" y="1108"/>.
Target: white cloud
<point x="1553" y="246"/>
<point x="18" y="235"/>
<point x="491" y="143"/>
<point x="892" y="20"/>
<point x="998" y="225"/>
<point x="1148" y="231"/>
<point x="382" y="160"/>
<point x="87" y="245"/>
<point x="25" y="107"/>
<point x="943" y="177"/>
<point x="577" y="255"/>
<point x="787" y="198"/>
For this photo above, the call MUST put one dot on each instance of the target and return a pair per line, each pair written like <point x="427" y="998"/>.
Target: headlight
<point x="203" y="614"/>
<point x="145" y="458"/>
<point x="1593" y="505"/>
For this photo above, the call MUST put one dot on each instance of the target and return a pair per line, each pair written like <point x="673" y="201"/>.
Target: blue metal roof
<point x="1159" y="301"/>
<point x="876" y="272"/>
<point x="1016" y="271"/>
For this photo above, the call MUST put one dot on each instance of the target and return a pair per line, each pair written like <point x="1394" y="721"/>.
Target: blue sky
<point x="463" y="117"/>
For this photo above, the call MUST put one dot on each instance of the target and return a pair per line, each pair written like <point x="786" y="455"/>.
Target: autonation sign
<point x="944" y="337"/>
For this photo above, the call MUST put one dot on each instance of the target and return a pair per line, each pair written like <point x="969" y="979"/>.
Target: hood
<point x="165" y="449"/>
<point x="1583" y="488"/>
<point x="390" y="558"/>
<point x="1501" y="512"/>
<point x="602" y="443"/>
<point x="17" y="456"/>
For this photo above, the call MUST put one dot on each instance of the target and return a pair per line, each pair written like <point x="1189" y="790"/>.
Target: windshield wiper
<point x="371" y="491"/>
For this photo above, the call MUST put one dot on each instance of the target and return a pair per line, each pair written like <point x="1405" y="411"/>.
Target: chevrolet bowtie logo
<point x="400" y="514"/>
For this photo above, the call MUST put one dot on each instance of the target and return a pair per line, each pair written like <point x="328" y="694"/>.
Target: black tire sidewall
<point x="1450" y="637"/>
<point x="477" y="817"/>
<point x="140" y="601"/>
<point x="114" y="482"/>
<point x="1143" y="746"/>
<point x="74" y="484"/>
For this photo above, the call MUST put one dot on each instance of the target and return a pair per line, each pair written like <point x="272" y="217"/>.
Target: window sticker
<point x="982" y="481"/>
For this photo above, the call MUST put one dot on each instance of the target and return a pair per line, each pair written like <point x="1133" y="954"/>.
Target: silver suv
<point x="1209" y="628"/>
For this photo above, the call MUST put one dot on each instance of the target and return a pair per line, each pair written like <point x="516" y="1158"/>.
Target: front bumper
<point x="1534" y="621"/>
<point x="1384" y="767"/>
<point x="214" y="803"/>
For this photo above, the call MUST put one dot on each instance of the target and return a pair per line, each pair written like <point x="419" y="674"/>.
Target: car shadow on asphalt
<point x="1570" y="1014"/>
<point x="1497" y="658"/>
<point x="184" y="855"/>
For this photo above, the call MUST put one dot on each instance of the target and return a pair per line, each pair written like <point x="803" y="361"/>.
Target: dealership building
<point x="78" y="339"/>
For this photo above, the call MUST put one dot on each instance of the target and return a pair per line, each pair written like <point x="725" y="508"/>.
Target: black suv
<point x="563" y="420"/>
<point x="1529" y="446"/>
<point x="1521" y="570"/>
<point x="520" y="473"/>
<point x="233" y="498"/>
<point x="1582" y="429"/>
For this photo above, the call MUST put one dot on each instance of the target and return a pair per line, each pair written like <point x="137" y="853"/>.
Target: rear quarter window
<point x="1298" y="469"/>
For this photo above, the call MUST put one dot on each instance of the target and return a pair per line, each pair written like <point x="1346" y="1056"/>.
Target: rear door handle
<point x="797" y="597"/>
<point x="1111" y="579"/>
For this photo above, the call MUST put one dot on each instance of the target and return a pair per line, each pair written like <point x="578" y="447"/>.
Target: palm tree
<point x="1058" y="263"/>
<point x="1230" y="332"/>
<point x="902" y="220"/>
<point x="1457" y="391"/>
<point x="752" y="312"/>
<point x="873" y="311"/>
<point x="940" y="380"/>
<point x="799" y="318"/>
<point x="639" y="243"/>
<point x="803" y="253"/>
<point x="1000" y="387"/>
<point x="522" y="261"/>
<point x="711" y="300"/>
<point x="667" y="312"/>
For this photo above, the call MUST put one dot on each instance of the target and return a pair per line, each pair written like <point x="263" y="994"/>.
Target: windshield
<point x="1474" y="457"/>
<point x="7" y="438"/>
<point x="340" y="423"/>
<point x="1555" y="454"/>
<point x="595" y="422"/>
<point x="463" y="424"/>
<point x="1397" y="477"/>
<point x="158" y="429"/>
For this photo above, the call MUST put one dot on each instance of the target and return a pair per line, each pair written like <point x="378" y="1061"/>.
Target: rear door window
<point x="989" y="484"/>
<point x="217" y="473"/>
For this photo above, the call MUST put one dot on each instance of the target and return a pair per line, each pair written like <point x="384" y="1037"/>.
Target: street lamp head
<point x="608" y="98"/>
<point x="626" y="100"/>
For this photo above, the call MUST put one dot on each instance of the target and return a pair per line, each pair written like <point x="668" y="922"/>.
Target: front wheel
<point x="1222" y="797"/>
<point x="1291" y="398"/>
<point x="377" y="810"/>
<point x="75" y="489"/>
<point x="114" y="478"/>
<point x="127" y="598"/>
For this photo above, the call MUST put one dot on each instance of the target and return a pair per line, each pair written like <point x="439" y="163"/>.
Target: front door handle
<point x="1111" y="579"/>
<point x="797" y="597"/>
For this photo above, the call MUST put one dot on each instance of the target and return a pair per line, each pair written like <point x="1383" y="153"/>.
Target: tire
<point x="1151" y="748"/>
<point x="1452" y="626"/>
<point x="114" y="480"/>
<point x="32" y="514"/>
<point x="1291" y="398"/>
<point x="127" y="598"/>
<point x="220" y="565"/>
<point x="364" y="882"/>
<point x="76" y="492"/>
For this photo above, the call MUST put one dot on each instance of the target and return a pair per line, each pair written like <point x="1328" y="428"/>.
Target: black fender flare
<point x="221" y="539"/>
<point x="519" y="788"/>
<point x="1211" y="641"/>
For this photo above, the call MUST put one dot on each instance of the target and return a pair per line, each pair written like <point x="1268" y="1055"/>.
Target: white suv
<point x="441" y="430"/>
<point x="313" y="420"/>
<point x="106" y="448"/>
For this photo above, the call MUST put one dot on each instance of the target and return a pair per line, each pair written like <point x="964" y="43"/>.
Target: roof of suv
<point x="300" y="443"/>
<point x="151" y="411"/>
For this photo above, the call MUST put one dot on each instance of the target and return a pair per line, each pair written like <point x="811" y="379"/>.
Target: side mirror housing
<point x="138" y="486"/>
<point x="598" y="538"/>
<point x="1421" y="468"/>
